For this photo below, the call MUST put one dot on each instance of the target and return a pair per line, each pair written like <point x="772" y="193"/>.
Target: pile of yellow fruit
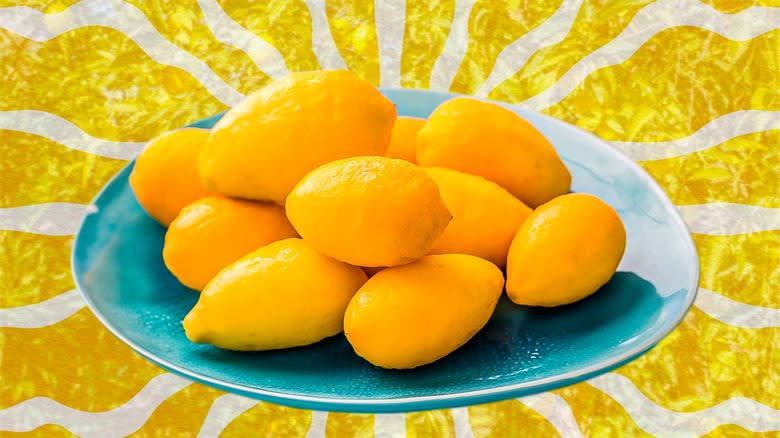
<point x="310" y="208"/>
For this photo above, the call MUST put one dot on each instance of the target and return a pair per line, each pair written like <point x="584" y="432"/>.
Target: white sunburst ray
<point x="227" y="408"/>
<point x="390" y="23"/>
<point x="552" y="407"/>
<point x="265" y="56"/>
<point x="648" y="22"/>
<point x="514" y="56"/>
<point x="121" y="421"/>
<point x="659" y="421"/>
<point x="66" y="133"/>
<point x="735" y="313"/>
<point x="222" y="412"/>
<point x="729" y="218"/>
<point x="324" y="46"/>
<point x="318" y="424"/>
<point x="461" y="423"/>
<point x="125" y="18"/>
<point x="713" y="133"/>
<point x="42" y="314"/>
<point x="556" y="410"/>
<point x="451" y="57"/>
<point x="50" y="218"/>
<point x="390" y="425"/>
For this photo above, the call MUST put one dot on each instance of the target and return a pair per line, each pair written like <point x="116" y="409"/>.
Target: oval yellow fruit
<point x="214" y="232"/>
<point x="403" y="143"/>
<point x="415" y="314"/>
<point x="485" y="139"/>
<point x="485" y="217"/>
<point x="566" y="250"/>
<point x="165" y="175"/>
<point x="265" y="144"/>
<point x="369" y="211"/>
<point x="285" y="294"/>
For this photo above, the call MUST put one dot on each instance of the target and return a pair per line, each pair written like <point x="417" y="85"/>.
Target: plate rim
<point x="416" y="403"/>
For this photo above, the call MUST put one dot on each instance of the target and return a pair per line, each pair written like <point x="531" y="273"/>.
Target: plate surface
<point x="117" y="263"/>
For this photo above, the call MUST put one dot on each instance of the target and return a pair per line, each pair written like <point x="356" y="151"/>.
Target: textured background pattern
<point x="689" y="88"/>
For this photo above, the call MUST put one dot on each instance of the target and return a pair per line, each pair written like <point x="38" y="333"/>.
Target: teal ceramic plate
<point x="118" y="267"/>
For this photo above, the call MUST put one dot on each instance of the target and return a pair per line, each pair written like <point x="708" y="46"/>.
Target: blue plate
<point x="118" y="266"/>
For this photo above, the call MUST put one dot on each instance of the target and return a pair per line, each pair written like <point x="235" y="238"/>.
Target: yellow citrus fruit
<point x="566" y="250"/>
<point x="412" y="315"/>
<point x="369" y="211"/>
<point x="403" y="143"/>
<point x="485" y="217"/>
<point x="263" y="146"/>
<point x="285" y="294"/>
<point x="214" y="232"/>
<point x="165" y="175"/>
<point x="485" y="139"/>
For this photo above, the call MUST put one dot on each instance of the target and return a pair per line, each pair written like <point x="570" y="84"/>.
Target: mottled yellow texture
<point x="183" y="23"/>
<point x="354" y="32"/>
<point x="101" y="81"/>
<point x="705" y="362"/>
<point x="509" y="418"/>
<point x="599" y="415"/>
<point x="33" y="267"/>
<point x="732" y="6"/>
<point x="427" y="26"/>
<point x="734" y="431"/>
<point x="48" y="6"/>
<point x="678" y="81"/>
<point x="45" y="431"/>
<point x="429" y="423"/>
<point x="269" y="420"/>
<point x="745" y="169"/>
<point x="285" y="24"/>
<point x="57" y="364"/>
<point x="493" y="25"/>
<point x="180" y="414"/>
<point x="71" y="175"/>
<point x="742" y="267"/>
<point x="349" y="425"/>
<point x="597" y="23"/>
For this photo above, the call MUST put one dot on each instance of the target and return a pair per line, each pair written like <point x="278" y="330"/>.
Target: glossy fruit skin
<point x="165" y="174"/>
<point x="285" y="294"/>
<point x="215" y="231"/>
<point x="403" y="143"/>
<point x="369" y="211"/>
<point x="565" y="251"/>
<point x="485" y="216"/>
<point x="485" y="139"/>
<point x="412" y="315"/>
<point x="263" y="146"/>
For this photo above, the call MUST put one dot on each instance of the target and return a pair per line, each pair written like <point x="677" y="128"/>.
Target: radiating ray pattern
<point x="689" y="89"/>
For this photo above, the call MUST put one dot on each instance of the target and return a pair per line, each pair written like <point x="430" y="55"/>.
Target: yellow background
<point x="682" y="80"/>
